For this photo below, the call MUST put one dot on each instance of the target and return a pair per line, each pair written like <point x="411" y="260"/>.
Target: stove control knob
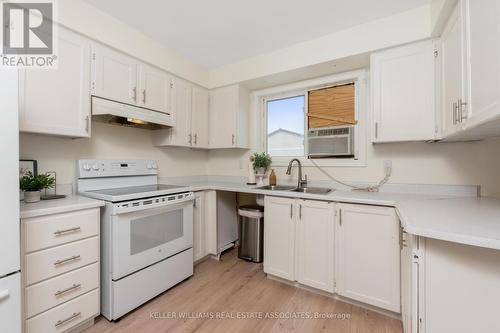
<point x="95" y="167"/>
<point x="86" y="167"/>
<point x="155" y="166"/>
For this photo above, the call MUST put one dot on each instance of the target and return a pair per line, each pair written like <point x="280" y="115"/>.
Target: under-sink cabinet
<point x="60" y="270"/>
<point x="299" y="241"/>
<point x="351" y="250"/>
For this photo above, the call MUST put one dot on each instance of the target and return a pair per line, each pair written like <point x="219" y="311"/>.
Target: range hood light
<point x="137" y="121"/>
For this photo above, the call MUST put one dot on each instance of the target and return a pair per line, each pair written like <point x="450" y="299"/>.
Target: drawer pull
<point x="4" y="294"/>
<point x="63" y="261"/>
<point x="70" y="318"/>
<point x="73" y="287"/>
<point x="65" y="231"/>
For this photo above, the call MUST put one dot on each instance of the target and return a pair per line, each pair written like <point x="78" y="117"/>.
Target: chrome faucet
<point x="301" y="182"/>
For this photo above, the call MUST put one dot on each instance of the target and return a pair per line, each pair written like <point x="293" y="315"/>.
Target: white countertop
<point x="68" y="204"/>
<point x="466" y="220"/>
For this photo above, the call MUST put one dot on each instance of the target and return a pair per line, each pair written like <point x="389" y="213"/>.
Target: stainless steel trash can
<point x="251" y="232"/>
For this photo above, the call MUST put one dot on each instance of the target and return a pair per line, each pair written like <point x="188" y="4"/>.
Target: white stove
<point x="146" y="231"/>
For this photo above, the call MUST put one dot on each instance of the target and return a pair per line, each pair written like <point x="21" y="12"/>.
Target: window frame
<point x="359" y="77"/>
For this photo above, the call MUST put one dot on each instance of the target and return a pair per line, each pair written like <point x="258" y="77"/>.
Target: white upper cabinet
<point x="482" y="31"/>
<point x="57" y="101"/>
<point x="403" y="93"/>
<point x="315" y="244"/>
<point x="368" y="255"/>
<point x="453" y="72"/>
<point x="200" y="117"/>
<point x="180" y="133"/>
<point x="154" y="89"/>
<point x="114" y="75"/>
<point x="189" y="107"/>
<point x="229" y="117"/>
<point x="471" y="71"/>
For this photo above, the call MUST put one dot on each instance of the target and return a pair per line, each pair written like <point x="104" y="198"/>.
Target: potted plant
<point x="32" y="185"/>
<point x="261" y="163"/>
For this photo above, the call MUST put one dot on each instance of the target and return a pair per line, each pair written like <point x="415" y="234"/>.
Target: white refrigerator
<point x="10" y="276"/>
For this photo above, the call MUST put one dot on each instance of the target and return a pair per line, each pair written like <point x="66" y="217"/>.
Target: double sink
<point x="311" y="190"/>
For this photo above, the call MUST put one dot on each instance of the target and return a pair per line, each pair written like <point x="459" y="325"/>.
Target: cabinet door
<point x="315" y="244"/>
<point x="57" y="101"/>
<point x="199" y="114"/>
<point x="114" y="75"/>
<point x="199" y="226"/>
<point x="453" y="74"/>
<point x="279" y="237"/>
<point x="10" y="304"/>
<point x="154" y="92"/>
<point x="403" y="93"/>
<point x="223" y="117"/>
<point x="368" y="265"/>
<point x="181" y="111"/>
<point x="483" y="53"/>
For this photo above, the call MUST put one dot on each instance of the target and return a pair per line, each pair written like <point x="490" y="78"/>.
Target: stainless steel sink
<point x="276" y="187"/>
<point x="313" y="190"/>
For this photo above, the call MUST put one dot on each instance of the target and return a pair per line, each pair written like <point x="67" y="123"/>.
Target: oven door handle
<point x="118" y="210"/>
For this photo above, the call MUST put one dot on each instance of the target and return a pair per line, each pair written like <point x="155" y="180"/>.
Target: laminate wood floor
<point x="232" y="288"/>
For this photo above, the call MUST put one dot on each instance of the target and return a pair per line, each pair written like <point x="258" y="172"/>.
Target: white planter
<point x="31" y="196"/>
<point x="261" y="171"/>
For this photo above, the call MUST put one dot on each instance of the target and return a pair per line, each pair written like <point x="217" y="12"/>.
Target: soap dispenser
<point x="272" y="178"/>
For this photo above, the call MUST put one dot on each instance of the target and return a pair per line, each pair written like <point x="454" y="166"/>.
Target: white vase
<point x="261" y="171"/>
<point x="31" y="196"/>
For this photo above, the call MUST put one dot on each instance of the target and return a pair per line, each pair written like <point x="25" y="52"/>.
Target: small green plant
<point x="261" y="160"/>
<point x="36" y="183"/>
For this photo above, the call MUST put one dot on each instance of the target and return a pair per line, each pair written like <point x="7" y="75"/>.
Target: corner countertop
<point x="466" y="220"/>
<point x="68" y="204"/>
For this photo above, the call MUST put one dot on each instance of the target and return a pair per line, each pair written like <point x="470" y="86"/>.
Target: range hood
<point x="111" y="112"/>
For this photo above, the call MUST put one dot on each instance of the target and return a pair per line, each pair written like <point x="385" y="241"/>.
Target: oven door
<point x="147" y="236"/>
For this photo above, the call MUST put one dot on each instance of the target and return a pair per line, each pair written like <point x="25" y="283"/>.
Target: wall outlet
<point x="388" y="167"/>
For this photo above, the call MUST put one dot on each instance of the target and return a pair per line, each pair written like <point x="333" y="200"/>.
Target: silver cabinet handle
<point x="462" y="113"/>
<point x="190" y="140"/>
<point x="376" y="130"/>
<point x="64" y="261"/>
<point x="134" y="94"/>
<point x="340" y="216"/>
<point x="66" y="231"/>
<point x="291" y="211"/>
<point x="4" y="294"/>
<point x="300" y="212"/>
<point x="232" y="140"/>
<point x="196" y="139"/>
<point x="87" y="124"/>
<point x="70" y="318"/>
<point x="455" y="111"/>
<point x="144" y="96"/>
<point x="73" y="287"/>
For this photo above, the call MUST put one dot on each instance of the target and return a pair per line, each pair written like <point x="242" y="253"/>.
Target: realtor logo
<point x="28" y="34"/>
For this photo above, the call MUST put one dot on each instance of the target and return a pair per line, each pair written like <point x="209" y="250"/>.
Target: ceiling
<point x="220" y="32"/>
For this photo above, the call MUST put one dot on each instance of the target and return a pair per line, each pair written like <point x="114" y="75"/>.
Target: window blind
<point x="332" y="106"/>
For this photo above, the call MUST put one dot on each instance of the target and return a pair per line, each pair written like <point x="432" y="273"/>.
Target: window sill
<point x="332" y="162"/>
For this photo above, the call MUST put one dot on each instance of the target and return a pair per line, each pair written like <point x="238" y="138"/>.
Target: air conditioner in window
<point x="336" y="141"/>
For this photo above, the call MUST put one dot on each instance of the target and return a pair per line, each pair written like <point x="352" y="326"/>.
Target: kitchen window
<point x="323" y="120"/>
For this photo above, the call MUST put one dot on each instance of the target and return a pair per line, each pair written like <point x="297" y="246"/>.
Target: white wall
<point x="394" y="30"/>
<point x="88" y="20"/>
<point x="109" y="141"/>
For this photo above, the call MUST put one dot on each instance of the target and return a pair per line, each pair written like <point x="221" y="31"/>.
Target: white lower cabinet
<point x="315" y="244"/>
<point x="199" y="227"/>
<point x="367" y="255"/>
<point x="298" y="241"/>
<point x="60" y="270"/>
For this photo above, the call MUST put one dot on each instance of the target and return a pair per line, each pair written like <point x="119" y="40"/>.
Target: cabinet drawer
<point x="47" y="231"/>
<point x="45" y="295"/>
<point x="48" y="263"/>
<point x="65" y="316"/>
